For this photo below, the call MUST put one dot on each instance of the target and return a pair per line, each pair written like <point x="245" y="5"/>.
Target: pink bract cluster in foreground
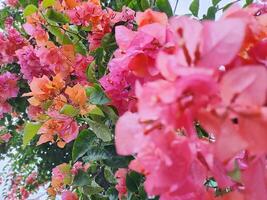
<point x="170" y="76"/>
<point x="191" y="97"/>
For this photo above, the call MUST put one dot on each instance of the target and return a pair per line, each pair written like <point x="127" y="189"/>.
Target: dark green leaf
<point x="194" y="7"/>
<point x="118" y="161"/>
<point x="94" y="188"/>
<point x="110" y="113"/>
<point x="82" y="144"/>
<point x="57" y="16"/>
<point x="164" y="6"/>
<point x="101" y="130"/>
<point x="248" y="2"/>
<point x="96" y="153"/>
<point x="215" y="2"/>
<point x="133" y="180"/>
<point x="145" y="4"/>
<point x="109" y="175"/>
<point x="211" y="13"/>
<point x="81" y="179"/>
<point x="98" y="96"/>
<point x="112" y="193"/>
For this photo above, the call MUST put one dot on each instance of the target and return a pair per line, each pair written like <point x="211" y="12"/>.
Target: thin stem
<point x="175" y="7"/>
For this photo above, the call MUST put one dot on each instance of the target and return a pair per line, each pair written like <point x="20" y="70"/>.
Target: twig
<point x="175" y="7"/>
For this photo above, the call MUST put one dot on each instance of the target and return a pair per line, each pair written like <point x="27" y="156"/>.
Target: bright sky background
<point x="182" y="8"/>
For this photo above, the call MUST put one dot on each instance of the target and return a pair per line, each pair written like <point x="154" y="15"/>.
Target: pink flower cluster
<point x="8" y="89"/>
<point x="101" y="21"/>
<point x="5" y="137"/>
<point x="171" y="76"/>
<point x="121" y="179"/>
<point x="9" y="43"/>
<point x="30" y="65"/>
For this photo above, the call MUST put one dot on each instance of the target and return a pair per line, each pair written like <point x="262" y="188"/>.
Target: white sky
<point x="183" y="6"/>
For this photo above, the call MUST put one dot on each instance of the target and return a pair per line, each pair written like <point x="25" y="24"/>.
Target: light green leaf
<point x="164" y="6"/>
<point x="48" y="3"/>
<point x="29" y="10"/>
<point x="30" y="130"/>
<point x="57" y="16"/>
<point x="194" y="7"/>
<point x="69" y="110"/>
<point x="97" y="111"/>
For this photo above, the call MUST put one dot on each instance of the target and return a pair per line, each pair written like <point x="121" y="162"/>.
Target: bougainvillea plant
<point x="124" y="100"/>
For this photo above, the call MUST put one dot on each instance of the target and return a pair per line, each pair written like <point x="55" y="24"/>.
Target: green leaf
<point x="82" y="144"/>
<point x="80" y="48"/>
<point x="145" y="4"/>
<point x="215" y="2"/>
<point x="30" y="130"/>
<point x="81" y="179"/>
<point x="133" y="180"/>
<point x="4" y="13"/>
<point x="90" y="72"/>
<point x="96" y="153"/>
<point x="110" y="113"/>
<point x="194" y="7"/>
<point x="97" y="111"/>
<point x="57" y="16"/>
<point x="109" y="175"/>
<point x="112" y="193"/>
<point x="248" y="2"/>
<point x="101" y="130"/>
<point x="29" y="10"/>
<point x="211" y="13"/>
<point x="164" y="6"/>
<point x="24" y="3"/>
<point x="89" y="90"/>
<point x="94" y="188"/>
<point x="69" y="110"/>
<point x="98" y="97"/>
<point x="48" y="3"/>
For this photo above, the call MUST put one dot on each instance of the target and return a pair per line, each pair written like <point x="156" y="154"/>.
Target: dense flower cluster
<point x="191" y="98"/>
<point x="8" y="89"/>
<point x="173" y="77"/>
